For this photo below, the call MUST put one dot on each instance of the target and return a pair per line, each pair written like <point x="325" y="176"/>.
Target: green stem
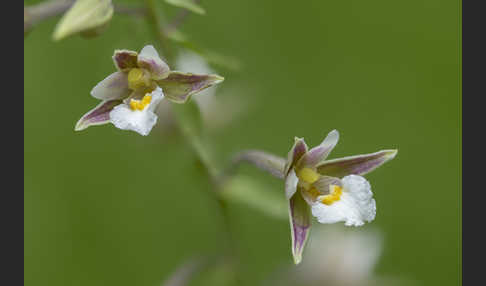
<point x="179" y="18"/>
<point x="155" y="21"/>
<point x="34" y="14"/>
<point x="197" y="145"/>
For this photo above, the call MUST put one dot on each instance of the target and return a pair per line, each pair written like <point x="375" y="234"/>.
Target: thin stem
<point x="185" y="272"/>
<point x="180" y="18"/>
<point x="265" y="161"/>
<point x="153" y="17"/>
<point x="196" y="144"/>
<point x="130" y="11"/>
<point x="212" y="173"/>
<point x="36" y="13"/>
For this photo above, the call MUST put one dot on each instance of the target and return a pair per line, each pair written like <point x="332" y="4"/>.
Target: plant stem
<point x="157" y="28"/>
<point x="270" y="163"/>
<point x="36" y="13"/>
<point x="197" y="145"/>
<point x="179" y="18"/>
<point x="213" y="175"/>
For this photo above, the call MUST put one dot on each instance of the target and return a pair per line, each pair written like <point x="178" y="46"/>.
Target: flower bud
<point x="84" y="16"/>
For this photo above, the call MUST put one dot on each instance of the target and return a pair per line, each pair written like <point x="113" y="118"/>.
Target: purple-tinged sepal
<point x="296" y="152"/>
<point x="300" y="222"/>
<point x="98" y="115"/>
<point x="355" y="165"/>
<point x="178" y="87"/>
<point x="114" y="86"/>
<point x="125" y="59"/>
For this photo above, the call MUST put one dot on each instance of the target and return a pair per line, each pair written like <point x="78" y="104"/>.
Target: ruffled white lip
<point x="355" y="207"/>
<point x="140" y="121"/>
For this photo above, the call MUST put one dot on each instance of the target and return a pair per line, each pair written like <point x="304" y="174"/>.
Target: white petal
<point x="141" y="121"/>
<point x="149" y="52"/>
<point x="157" y="96"/>
<point x="355" y="206"/>
<point x="114" y="86"/>
<point x="150" y="60"/>
<point x="321" y="151"/>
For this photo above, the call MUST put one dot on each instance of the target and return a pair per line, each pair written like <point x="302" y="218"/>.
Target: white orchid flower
<point x="131" y="94"/>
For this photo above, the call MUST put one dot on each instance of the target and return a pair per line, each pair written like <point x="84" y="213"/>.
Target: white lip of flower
<point x="352" y="203"/>
<point x="137" y="115"/>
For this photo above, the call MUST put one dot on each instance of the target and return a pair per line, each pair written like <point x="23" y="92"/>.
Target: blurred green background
<point x="110" y="207"/>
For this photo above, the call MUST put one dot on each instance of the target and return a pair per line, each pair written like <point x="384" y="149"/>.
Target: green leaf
<point x="85" y="16"/>
<point x="187" y="4"/>
<point x="248" y="191"/>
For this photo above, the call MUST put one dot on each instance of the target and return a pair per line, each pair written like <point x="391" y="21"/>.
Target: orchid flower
<point x="331" y="190"/>
<point x="130" y="95"/>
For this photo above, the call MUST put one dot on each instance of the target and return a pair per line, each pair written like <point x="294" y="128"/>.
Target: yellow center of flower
<point x="313" y="192"/>
<point x="308" y="175"/>
<point x="137" y="78"/>
<point x="334" y="196"/>
<point x="140" y="104"/>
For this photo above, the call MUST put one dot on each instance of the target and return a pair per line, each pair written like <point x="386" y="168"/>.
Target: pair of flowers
<point x="330" y="190"/>
<point x="130" y="95"/>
